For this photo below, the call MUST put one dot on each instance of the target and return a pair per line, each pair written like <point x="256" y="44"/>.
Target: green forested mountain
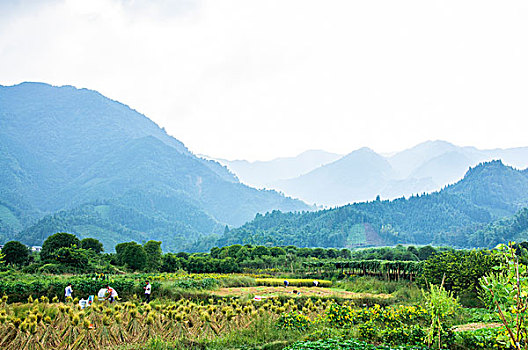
<point x="73" y="160"/>
<point x="513" y="228"/>
<point x="451" y="216"/>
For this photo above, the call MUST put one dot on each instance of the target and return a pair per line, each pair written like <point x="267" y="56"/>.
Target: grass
<point x="402" y="291"/>
<point x="298" y="282"/>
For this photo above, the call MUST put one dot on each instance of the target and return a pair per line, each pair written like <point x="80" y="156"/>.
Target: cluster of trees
<point x="64" y="252"/>
<point x="398" y="253"/>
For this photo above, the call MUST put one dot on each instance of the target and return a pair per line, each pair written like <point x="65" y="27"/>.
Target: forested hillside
<point x="451" y="216"/>
<point x="73" y="160"/>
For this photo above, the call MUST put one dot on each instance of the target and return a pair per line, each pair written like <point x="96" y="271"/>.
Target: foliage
<point x="65" y="326"/>
<point x="93" y="244"/>
<point x="292" y="282"/>
<point x="19" y="289"/>
<point x="72" y="256"/>
<point x="412" y="335"/>
<point x="154" y="254"/>
<point x="56" y="241"/>
<point x="294" y="320"/>
<point x="459" y="271"/>
<point x="205" y="283"/>
<point x="450" y="216"/>
<point x="344" y="316"/>
<point x="346" y="344"/>
<point x="134" y="256"/>
<point x="506" y="291"/>
<point x="484" y="338"/>
<point x="441" y="307"/>
<point x="15" y="253"/>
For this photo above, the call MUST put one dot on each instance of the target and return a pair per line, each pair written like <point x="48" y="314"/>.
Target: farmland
<point x="384" y="298"/>
<point x="219" y="315"/>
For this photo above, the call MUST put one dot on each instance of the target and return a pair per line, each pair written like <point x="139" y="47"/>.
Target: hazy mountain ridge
<point x="262" y="174"/>
<point x="423" y="168"/>
<point x="65" y="150"/>
<point x="451" y="216"/>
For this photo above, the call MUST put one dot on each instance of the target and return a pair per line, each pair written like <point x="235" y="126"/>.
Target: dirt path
<point x="474" y="326"/>
<point x="267" y="292"/>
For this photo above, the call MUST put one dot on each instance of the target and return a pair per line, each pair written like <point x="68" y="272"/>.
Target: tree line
<point x="65" y="252"/>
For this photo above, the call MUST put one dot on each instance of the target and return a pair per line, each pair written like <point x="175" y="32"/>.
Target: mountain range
<point x="74" y="160"/>
<point x="330" y="179"/>
<point x="484" y="208"/>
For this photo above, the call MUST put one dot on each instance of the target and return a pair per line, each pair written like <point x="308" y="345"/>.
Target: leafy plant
<point x="441" y="306"/>
<point x="506" y="291"/>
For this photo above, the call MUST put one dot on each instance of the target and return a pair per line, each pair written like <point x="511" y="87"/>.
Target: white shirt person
<point x="68" y="291"/>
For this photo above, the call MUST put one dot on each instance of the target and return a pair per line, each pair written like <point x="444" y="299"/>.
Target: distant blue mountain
<point x="330" y="180"/>
<point x="73" y="160"/>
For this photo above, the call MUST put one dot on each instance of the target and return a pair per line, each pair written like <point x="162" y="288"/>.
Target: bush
<point x="484" y="338"/>
<point x="413" y="335"/>
<point x="348" y="344"/>
<point x="189" y="283"/>
<point x="294" y="320"/>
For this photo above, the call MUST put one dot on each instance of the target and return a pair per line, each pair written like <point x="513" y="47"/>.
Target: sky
<point x="263" y="79"/>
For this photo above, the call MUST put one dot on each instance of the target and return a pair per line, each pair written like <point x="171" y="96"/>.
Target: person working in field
<point x="68" y="291"/>
<point x="315" y="283"/>
<point x="112" y="294"/>
<point x="286" y="283"/>
<point x="148" y="289"/>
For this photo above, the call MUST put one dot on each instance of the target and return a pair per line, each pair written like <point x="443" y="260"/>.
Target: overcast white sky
<point x="261" y="79"/>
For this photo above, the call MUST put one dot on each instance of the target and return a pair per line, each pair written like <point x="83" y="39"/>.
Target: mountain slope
<point x="263" y="173"/>
<point x="65" y="149"/>
<point x="358" y="176"/>
<point x="450" y="216"/>
<point x="424" y="168"/>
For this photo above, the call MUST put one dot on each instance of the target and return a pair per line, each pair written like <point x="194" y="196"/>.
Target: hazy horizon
<point x="260" y="80"/>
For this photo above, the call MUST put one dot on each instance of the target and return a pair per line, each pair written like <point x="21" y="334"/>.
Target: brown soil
<point x="267" y="292"/>
<point x="475" y="326"/>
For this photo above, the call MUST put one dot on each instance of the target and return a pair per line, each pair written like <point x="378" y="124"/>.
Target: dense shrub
<point x="484" y="338"/>
<point x="460" y="270"/>
<point x="348" y="344"/>
<point x="20" y="290"/>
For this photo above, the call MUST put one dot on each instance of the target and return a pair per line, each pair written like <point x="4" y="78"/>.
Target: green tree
<point x="505" y="292"/>
<point x="215" y="252"/>
<point x="15" y="253"/>
<point x="277" y="251"/>
<point x="55" y="242"/>
<point x="73" y="256"/>
<point x="171" y="263"/>
<point x="134" y="256"/>
<point x="154" y="255"/>
<point x="425" y="252"/>
<point x="345" y="253"/>
<point x="459" y="270"/>
<point x="120" y="251"/>
<point x="92" y="244"/>
<point x="259" y="251"/>
<point x="412" y="249"/>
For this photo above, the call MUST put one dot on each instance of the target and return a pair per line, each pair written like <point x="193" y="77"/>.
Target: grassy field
<point x="223" y="315"/>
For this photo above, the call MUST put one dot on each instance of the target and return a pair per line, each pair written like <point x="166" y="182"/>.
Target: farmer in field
<point x="286" y="283"/>
<point x="315" y="283"/>
<point x="148" y="289"/>
<point x="68" y="291"/>
<point x="112" y="294"/>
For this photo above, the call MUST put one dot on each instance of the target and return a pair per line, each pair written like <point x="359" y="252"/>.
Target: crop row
<point x="274" y="282"/>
